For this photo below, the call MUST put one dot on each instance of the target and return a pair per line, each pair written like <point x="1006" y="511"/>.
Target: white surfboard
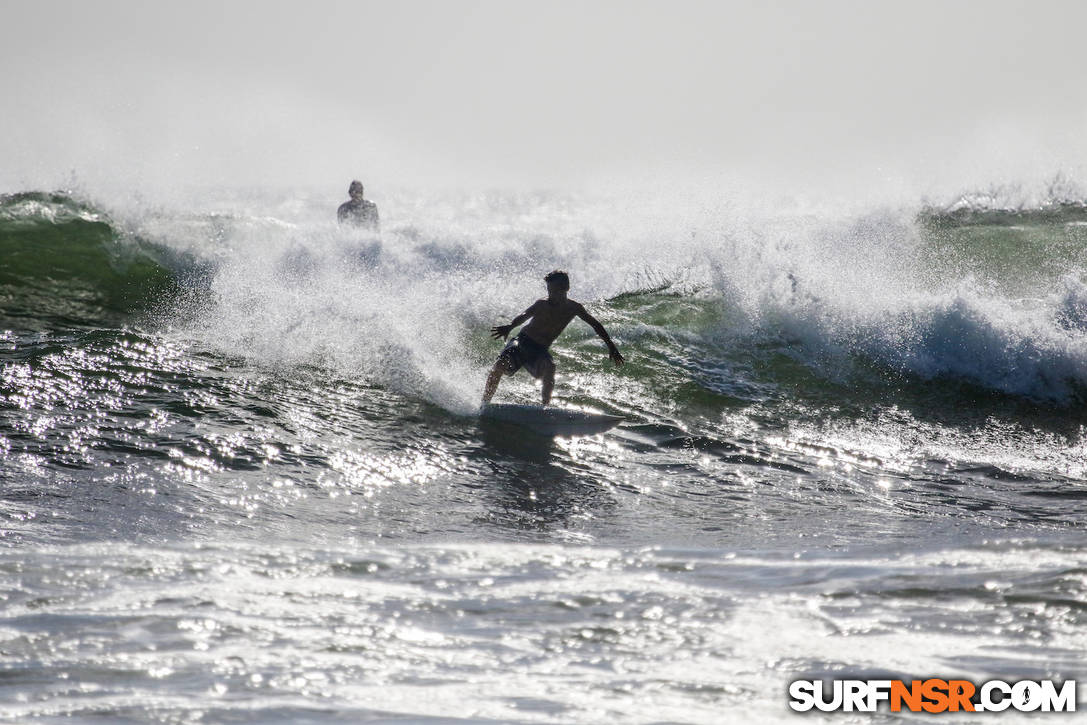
<point x="550" y="421"/>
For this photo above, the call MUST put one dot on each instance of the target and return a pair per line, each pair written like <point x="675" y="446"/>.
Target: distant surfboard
<point x="550" y="421"/>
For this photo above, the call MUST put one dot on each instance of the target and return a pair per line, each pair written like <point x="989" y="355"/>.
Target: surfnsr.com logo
<point x="933" y="695"/>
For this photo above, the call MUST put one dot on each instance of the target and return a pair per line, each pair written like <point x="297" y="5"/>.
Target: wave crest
<point x="65" y="260"/>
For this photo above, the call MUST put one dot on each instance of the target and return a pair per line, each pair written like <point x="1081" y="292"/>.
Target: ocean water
<point x="242" y="479"/>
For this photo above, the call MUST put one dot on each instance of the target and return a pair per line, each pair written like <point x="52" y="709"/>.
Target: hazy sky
<point x="537" y="93"/>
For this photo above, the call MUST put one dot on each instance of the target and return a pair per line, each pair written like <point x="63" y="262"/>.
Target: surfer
<point x="358" y="211"/>
<point x="546" y="320"/>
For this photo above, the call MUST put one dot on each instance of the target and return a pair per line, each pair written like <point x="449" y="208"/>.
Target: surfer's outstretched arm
<point x="501" y="332"/>
<point x="613" y="351"/>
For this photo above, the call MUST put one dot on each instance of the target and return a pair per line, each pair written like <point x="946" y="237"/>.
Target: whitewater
<point x="243" y="480"/>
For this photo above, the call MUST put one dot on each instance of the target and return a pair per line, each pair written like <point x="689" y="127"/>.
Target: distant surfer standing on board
<point x="358" y="211"/>
<point x="528" y="350"/>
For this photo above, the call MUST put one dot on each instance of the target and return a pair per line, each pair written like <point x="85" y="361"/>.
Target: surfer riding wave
<point x="546" y="319"/>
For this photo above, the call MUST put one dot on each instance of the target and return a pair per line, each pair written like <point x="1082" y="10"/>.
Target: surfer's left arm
<point x="613" y="351"/>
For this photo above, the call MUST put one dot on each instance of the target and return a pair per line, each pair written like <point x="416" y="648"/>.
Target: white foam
<point x="411" y="312"/>
<point x="869" y="289"/>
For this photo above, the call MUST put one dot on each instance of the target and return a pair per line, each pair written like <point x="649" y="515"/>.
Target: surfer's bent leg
<point x="535" y="358"/>
<point x="547" y="378"/>
<point x="492" y="382"/>
<point x="504" y="365"/>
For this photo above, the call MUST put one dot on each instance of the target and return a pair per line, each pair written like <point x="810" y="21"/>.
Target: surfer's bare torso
<point x="550" y="318"/>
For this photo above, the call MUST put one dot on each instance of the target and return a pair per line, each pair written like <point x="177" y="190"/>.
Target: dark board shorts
<point x="524" y="352"/>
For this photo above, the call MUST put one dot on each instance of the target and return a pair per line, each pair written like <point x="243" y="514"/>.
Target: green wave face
<point x="66" y="262"/>
<point x="1020" y="251"/>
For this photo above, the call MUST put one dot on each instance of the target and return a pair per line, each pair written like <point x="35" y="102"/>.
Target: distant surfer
<point x="546" y="321"/>
<point x="357" y="211"/>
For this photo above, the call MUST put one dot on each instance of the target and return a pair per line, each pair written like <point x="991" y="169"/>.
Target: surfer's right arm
<point x="501" y="332"/>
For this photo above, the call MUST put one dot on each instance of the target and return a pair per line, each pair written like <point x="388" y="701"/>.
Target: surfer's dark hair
<point x="559" y="278"/>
